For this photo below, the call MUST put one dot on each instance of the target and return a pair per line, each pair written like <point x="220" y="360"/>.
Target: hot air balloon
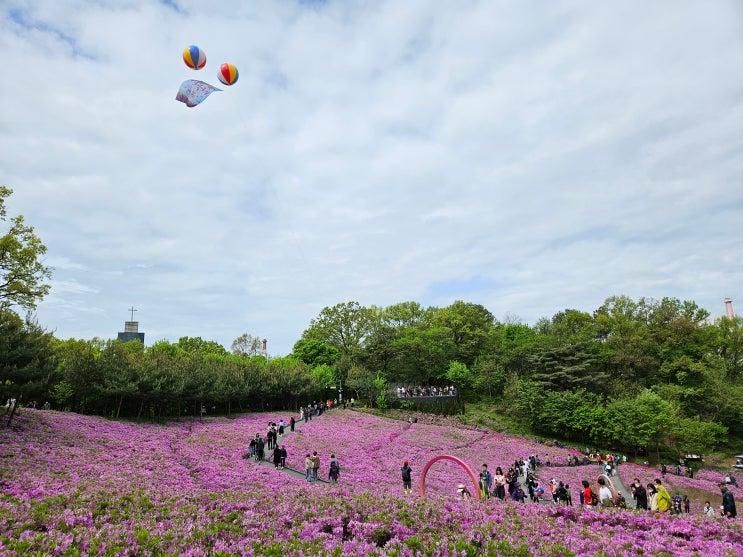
<point x="194" y="57"/>
<point x="227" y="73"/>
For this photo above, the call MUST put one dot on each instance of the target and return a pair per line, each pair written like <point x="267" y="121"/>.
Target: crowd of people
<point x="275" y="432"/>
<point x="653" y="497"/>
<point x="407" y="391"/>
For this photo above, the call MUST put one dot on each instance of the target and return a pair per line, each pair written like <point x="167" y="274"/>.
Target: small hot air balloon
<point x="227" y="73"/>
<point x="194" y="57"/>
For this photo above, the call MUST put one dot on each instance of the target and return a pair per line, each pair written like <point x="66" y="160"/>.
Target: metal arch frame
<point x="455" y="460"/>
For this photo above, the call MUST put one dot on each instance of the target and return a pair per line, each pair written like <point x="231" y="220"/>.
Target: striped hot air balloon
<point x="227" y="73"/>
<point x="194" y="57"/>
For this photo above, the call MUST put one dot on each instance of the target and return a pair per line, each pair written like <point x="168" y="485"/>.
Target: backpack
<point x="334" y="468"/>
<point x="594" y="499"/>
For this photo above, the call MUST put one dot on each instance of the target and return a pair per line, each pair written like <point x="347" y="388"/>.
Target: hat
<point x="460" y="487"/>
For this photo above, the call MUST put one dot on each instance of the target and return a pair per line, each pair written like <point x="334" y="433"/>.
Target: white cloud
<point x="551" y="155"/>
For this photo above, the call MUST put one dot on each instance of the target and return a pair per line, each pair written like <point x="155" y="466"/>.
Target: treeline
<point x="647" y="374"/>
<point x="637" y="374"/>
<point x="117" y="379"/>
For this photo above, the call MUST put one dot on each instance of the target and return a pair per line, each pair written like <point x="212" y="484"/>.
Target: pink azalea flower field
<point x="81" y="485"/>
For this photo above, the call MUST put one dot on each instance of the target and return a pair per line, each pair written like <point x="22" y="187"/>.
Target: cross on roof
<point x="132" y="310"/>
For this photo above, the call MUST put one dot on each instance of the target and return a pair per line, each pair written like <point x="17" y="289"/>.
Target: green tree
<point x="343" y="326"/>
<point x="380" y="388"/>
<point x="27" y="359"/>
<point x="696" y="436"/>
<point x="361" y="382"/>
<point x="469" y="325"/>
<point x="22" y="274"/>
<point x="315" y="352"/>
<point x="570" y="366"/>
<point x="461" y="377"/>
<point x="422" y="354"/>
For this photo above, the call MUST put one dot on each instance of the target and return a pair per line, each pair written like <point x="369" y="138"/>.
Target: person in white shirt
<point x="708" y="510"/>
<point x="606" y="497"/>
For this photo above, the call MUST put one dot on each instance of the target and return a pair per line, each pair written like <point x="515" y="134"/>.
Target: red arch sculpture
<point x="455" y="460"/>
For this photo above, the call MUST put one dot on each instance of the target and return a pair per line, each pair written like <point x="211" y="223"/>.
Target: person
<point x="47" y="406"/>
<point x="282" y="463"/>
<point x="653" y="498"/>
<point x="677" y="501"/>
<point x="335" y="469"/>
<point x="486" y="481"/>
<point x="606" y="497"/>
<point x="728" y="502"/>
<point x="664" y="498"/>
<point x="308" y="464"/>
<point x="281" y="427"/>
<point x="463" y="492"/>
<point x="500" y="484"/>
<point x="276" y="456"/>
<point x="561" y="494"/>
<point x="588" y="496"/>
<point x="407" y="480"/>
<point x="251" y="448"/>
<point x="259" y="448"/>
<point x="708" y="510"/>
<point x="687" y="504"/>
<point x="640" y="495"/>
<point x="292" y="421"/>
<point x="663" y="470"/>
<point x="270" y="438"/>
<point x="315" y="465"/>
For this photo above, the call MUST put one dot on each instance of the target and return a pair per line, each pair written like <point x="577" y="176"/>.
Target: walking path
<point x="619" y="486"/>
<point x="288" y="469"/>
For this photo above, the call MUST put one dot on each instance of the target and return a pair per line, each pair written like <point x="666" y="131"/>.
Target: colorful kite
<point x="193" y="92"/>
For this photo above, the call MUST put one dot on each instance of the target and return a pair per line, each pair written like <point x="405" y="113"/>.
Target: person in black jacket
<point x="259" y="446"/>
<point x="282" y="462"/>
<point x="640" y="495"/>
<point x="407" y="480"/>
<point x="276" y="456"/>
<point x="291" y="424"/>
<point x="728" y="502"/>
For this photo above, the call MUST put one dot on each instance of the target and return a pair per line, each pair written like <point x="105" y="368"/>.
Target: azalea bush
<point x="80" y="485"/>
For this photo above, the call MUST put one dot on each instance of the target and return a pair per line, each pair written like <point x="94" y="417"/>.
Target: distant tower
<point x="264" y="347"/>
<point x="729" y="311"/>
<point x="131" y="330"/>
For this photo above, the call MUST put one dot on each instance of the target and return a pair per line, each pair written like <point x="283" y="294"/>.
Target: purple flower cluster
<point x="79" y="485"/>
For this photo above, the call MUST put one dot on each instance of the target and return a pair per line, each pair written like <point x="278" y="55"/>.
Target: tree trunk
<point x="141" y="407"/>
<point x="229" y="407"/>
<point x="118" y="409"/>
<point x="13" y="411"/>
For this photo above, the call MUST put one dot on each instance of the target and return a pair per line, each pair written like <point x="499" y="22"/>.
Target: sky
<point x="527" y="156"/>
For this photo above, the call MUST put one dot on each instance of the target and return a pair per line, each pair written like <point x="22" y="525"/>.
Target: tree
<point x="469" y="325"/>
<point x="380" y="388"/>
<point x="343" y="326"/>
<point x="314" y="352"/>
<point x="696" y="436"/>
<point x="247" y="345"/>
<point x="460" y="376"/>
<point x="323" y="377"/>
<point x="198" y="344"/>
<point x="569" y="367"/>
<point x="22" y="274"/>
<point x="26" y="358"/>
<point x="361" y="381"/>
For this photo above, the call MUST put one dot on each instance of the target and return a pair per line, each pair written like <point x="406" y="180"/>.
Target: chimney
<point x="729" y="311"/>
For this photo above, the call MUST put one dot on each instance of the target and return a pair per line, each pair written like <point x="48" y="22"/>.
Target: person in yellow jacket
<point x="663" y="497"/>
